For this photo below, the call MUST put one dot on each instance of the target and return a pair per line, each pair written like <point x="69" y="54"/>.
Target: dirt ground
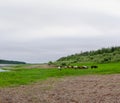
<point x="45" y="66"/>
<point x="82" y="89"/>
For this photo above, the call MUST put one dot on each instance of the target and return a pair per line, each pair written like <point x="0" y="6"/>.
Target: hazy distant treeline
<point x="104" y="55"/>
<point x="11" y="62"/>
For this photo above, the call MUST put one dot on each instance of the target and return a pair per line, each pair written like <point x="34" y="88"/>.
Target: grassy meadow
<point x="20" y="75"/>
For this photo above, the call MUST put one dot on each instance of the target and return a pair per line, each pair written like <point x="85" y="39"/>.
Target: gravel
<point x="82" y="89"/>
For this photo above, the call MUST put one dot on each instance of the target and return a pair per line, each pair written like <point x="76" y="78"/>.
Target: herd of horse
<point x="77" y="67"/>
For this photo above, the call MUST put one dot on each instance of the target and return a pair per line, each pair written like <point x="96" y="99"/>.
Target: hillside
<point x="104" y="55"/>
<point x="11" y="62"/>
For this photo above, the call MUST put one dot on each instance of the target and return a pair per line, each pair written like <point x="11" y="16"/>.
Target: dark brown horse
<point x="94" y="66"/>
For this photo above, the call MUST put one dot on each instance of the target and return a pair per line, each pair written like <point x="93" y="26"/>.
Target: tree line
<point x="11" y="62"/>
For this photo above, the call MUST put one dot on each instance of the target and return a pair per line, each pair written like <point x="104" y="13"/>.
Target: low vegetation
<point x="20" y="75"/>
<point x="104" y="55"/>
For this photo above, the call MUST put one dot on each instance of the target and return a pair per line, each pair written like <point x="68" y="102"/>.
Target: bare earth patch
<point x="82" y="89"/>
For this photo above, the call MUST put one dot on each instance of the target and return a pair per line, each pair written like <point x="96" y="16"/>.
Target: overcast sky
<point x="38" y="31"/>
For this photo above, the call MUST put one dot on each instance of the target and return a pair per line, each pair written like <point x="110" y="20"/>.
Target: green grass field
<point x="19" y="75"/>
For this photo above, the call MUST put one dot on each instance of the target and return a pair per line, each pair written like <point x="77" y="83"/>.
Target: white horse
<point x="59" y="68"/>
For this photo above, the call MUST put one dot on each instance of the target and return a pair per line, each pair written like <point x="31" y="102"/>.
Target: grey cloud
<point x="24" y="19"/>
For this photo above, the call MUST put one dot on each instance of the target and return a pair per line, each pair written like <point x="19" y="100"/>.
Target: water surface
<point x="4" y="65"/>
<point x="1" y="70"/>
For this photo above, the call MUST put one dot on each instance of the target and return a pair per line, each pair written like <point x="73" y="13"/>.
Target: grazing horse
<point x="75" y="67"/>
<point x="80" y="67"/>
<point x="66" y="67"/>
<point x="60" y="68"/>
<point x="84" y="67"/>
<point x="94" y="66"/>
<point x="70" y="67"/>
